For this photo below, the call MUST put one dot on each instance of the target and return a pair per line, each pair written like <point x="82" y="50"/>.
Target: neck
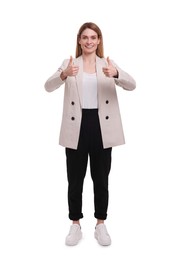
<point x="91" y="58"/>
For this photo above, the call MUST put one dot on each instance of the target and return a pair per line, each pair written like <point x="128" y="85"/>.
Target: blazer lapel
<point x="101" y="78"/>
<point x="79" y="78"/>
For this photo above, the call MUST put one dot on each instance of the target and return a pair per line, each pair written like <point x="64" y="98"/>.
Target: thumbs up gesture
<point x="110" y="71"/>
<point x="71" y="69"/>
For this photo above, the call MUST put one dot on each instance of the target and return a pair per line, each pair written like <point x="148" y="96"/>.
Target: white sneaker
<point x="102" y="236"/>
<point x="74" y="235"/>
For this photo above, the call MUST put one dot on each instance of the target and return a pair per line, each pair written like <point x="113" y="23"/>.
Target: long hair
<point x="94" y="27"/>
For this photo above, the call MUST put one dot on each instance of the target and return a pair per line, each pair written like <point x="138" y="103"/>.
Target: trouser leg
<point x="100" y="164"/>
<point x="76" y="170"/>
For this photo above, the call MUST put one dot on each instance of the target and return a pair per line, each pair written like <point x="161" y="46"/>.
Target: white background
<point x="35" y="38"/>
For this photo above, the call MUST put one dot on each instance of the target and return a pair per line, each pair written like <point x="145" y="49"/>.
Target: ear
<point x="98" y="41"/>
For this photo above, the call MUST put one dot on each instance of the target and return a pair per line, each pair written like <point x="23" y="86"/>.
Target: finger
<point x="108" y="61"/>
<point x="70" y="61"/>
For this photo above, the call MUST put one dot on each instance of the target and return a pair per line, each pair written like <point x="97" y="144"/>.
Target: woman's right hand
<point x="70" y="71"/>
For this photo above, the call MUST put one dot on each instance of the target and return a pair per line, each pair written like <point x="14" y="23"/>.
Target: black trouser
<point x="90" y="143"/>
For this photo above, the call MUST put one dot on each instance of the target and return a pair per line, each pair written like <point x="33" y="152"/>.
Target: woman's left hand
<point x="110" y="71"/>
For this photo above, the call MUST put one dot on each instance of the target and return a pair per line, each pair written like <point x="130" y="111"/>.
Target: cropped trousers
<point x="89" y="146"/>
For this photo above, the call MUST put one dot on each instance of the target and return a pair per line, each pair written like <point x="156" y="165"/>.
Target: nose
<point x="89" y="40"/>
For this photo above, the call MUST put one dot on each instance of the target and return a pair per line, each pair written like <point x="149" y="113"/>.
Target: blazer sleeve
<point x="55" y="81"/>
<point x="124" y="80"/>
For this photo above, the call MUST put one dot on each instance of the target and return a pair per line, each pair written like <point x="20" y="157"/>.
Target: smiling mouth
<point x="89" y="46"/>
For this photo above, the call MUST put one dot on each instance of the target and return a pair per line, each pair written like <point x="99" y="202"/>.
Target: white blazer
<point x="108" y="107"/>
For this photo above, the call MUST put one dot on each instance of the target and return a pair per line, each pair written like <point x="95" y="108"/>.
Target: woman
<point x="91" y="124"/>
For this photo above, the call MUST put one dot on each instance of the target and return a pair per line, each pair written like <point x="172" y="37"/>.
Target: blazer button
<point x="107" y="117"/>
<point x="72" y="118"/>
<point x="107" y="101"/>
<point x="72" y="103"/>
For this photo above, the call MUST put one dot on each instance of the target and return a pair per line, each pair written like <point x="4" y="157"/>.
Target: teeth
<point x="89" y="47"/>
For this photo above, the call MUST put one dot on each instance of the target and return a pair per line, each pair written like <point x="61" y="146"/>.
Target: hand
<point x="110" y="71"/>
<point x="71" y="69"/>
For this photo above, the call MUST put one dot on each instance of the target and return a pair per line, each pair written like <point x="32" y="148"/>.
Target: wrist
<point x="63" y="75"/>
<point x="117" y="74"/>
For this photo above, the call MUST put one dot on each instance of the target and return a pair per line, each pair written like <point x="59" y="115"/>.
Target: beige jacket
<point x="108" y="107"/>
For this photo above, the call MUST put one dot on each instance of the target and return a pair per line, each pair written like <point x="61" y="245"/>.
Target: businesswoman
<point x="91" y="124"/>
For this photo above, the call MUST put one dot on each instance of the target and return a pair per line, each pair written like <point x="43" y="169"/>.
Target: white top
<point x="90" y="90"/>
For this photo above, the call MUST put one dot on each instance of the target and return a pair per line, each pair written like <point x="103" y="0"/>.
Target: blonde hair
<point x="94" y="27"/>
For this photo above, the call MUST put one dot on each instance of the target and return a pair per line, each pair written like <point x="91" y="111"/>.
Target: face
<point x="89" y="41"/>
